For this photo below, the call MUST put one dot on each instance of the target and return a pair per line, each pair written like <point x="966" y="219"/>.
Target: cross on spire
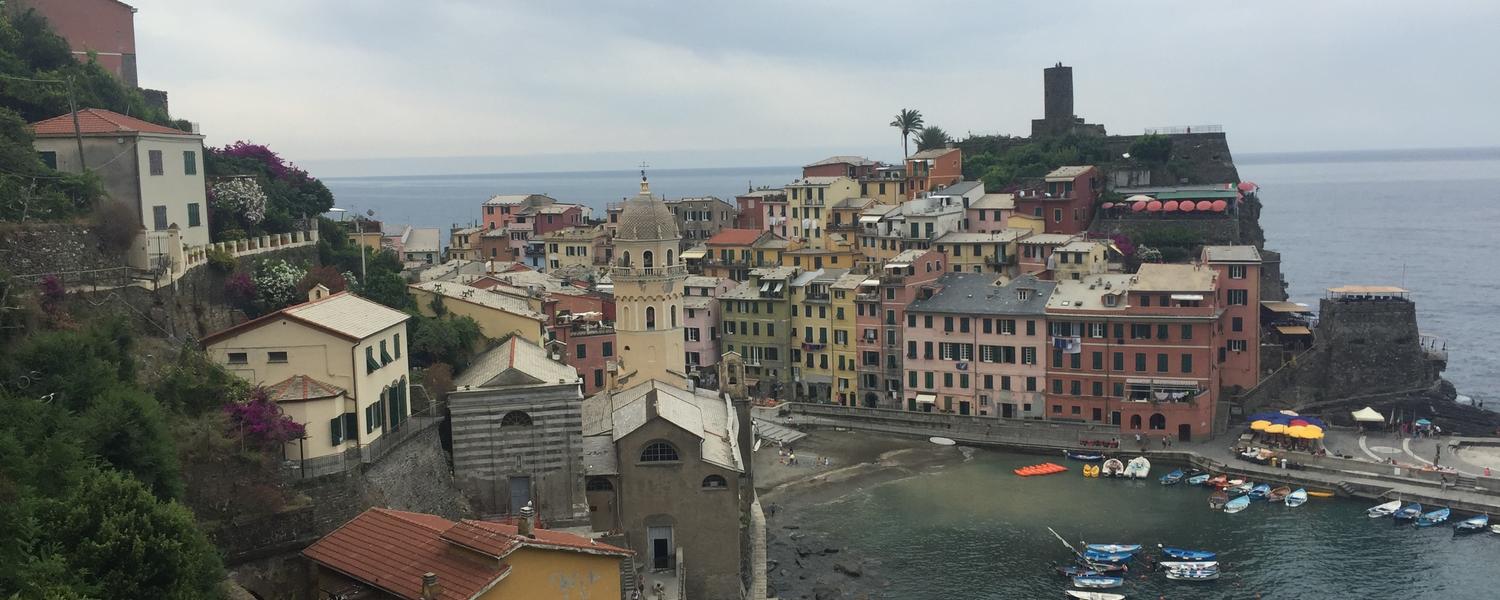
<point x="645" y="187"/>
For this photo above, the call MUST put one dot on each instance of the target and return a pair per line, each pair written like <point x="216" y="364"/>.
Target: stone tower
<point x="1057" y="93"/>
<point x="648" y="280"/>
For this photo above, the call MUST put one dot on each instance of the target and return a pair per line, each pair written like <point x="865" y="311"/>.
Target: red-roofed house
<point x="733" y="252"/>
<point x="389" y="554"/>
<point x="154" y="169"/>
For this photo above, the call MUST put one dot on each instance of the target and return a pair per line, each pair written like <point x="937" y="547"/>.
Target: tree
<point x="1152" y="148"/>
<point x="908" y="121"/>
<point x="448" y="340"/>
<point x="932" y="137"/>
<point x="386" y="288"/>
<point x="126" y="427"/>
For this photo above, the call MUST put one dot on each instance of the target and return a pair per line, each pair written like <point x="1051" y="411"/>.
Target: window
<point x="1098" y="388"/>
<point x="1028" y="355"/>
<point x="1236" y="271"/>
<point x="650" y="317"/>
<point x="1140" y="362"/>
<point x="1030" y="326"/>
<point x="1187" y="332"/>
<point x="238" y="358"/>
<point x="927" y="379"/>
<point x="276" y="357"/>
<point x="49" y="158"/>
<point x="1057" y="386"/>
<point x="1057" y="408"/>
<point x="659" y="452"/>
<point x="911" y="349"/>
<point x="194" y="217"/>
<point x="1119" y="361"/>
<point x="714" y="482"/>
<point x="1075" y="409"/>
<point x="598" y="378"/>
<point x="189" y="162"/>
<point x="963" y="324"/>
<point x="598" y="484"/>
<point x="154" y="157"/>
<point x="1187" y="363"/>
<point x="1140" y="331"/>
<point x="1237" y="324"/>
<point x="1075" y="388"/>
<point x="1239" y="297"/>
<point x="1237" y="345"/>
<point x="582" y="350"/>
<point x="159" y="218"/>
<point x="515" y="418"/>
<point x="1096" y="330"/>
<point x="370" y="364"/>
<point x="336" y="430"/>
<point x="1007" y="326"/>
<point x="608" y="349"/>
<point x="1161" y="363"/>
<point x="963" y="381"/>
<point x="911" y="379"/>
<point x="947" y="380"/>
<point x="1096" y="361"/>
<point x="1162" y="332"/>
<point x="385" y="356"/>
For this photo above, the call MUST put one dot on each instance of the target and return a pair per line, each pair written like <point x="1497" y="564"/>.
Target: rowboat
<point x="1205" y="575"/>
<point x="1218" y="499"/>
<point x="1433" y="518"/>
<point x="1095" y="556"/>
<point x="1237" y="504"/>
<point x="1297" y="498"/>
<point x="1138" y="468"/>
<point x="1185" y="554"/>
<point x="1243" y="487"/>
<point x="1082" y="595"/>
<point x="1260" y="491"/>
<point x="1384" y="510"/>
<point x="1473" y="524"/>
<point x="1084" y="456"/>
<point x="1495" y="529"/>
<point x="1172" y="478"/>
<point x="1217" y="481"/>
<point x="1190" y="565"/>
<point x="1117" y="569"/>
<point x="1321" y="494"/>
<point x="1130" y="548"/>
<point x="1279" y="494"/>
<point x="1198" y="479"/>
<point x="1113" y="468"/>
<point x="1098" y="582"/>
<point x="1408" y="512"/>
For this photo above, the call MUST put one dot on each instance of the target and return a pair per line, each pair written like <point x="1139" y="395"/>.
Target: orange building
<point x="932" y="169"/>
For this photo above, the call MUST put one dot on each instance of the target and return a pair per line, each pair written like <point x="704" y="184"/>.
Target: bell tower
<point x="648" y="278"/>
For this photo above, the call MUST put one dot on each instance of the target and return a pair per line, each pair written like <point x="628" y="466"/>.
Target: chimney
<point x="431" y="590"/>
<point x="318" y="292"/>
<point x="524" y="526"/>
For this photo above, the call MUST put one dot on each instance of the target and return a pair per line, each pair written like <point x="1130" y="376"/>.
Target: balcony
<point x="816" y="297"/>
<point x="535" y="251"/>
<point x="649" y="272"/>
<point x="867" y="297"/>
<point x="843" y="227"/>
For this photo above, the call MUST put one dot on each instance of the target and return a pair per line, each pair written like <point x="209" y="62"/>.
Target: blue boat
<point x="1237" y="504"/>
<point x="1084" y="456"/>
<point x="1172" y="478"/>
<point x="1127" y="548"/>
<point x="1095" y="556"/>
<point x="1260" y="491"/>
<point x="1185" y="554"/>
<point x="1473" y="524"/>
<point x="1198" y="479"/>
<point x="1408" y="512"/>
<point x="1098" y="583"/>
<point x="1433" y="518"/>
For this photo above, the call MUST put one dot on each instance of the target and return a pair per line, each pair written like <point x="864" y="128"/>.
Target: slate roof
<point x="97" y="121"/>
<point x="975" y="293"/>
<point x="958" y="189"/>
<point x="646" y="218"/>
<point x="424" y="239"/>
<point x="517" y="362"/>
<point x="700" y="413"/>
<point x="993" y="201"/>
<point x="485" y="298"/>
<point x="301" y="387"/>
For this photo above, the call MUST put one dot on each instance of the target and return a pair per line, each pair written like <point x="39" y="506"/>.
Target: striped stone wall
<point x="487" y="455"/>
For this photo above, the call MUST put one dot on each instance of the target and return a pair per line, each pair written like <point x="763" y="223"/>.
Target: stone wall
<point x="53" y="248"/>
<point x="1205" y="231"/>
<point x="1372" y="346"/>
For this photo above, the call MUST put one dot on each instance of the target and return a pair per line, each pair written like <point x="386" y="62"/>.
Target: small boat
<point x="1131" y="548"/>
<point x="1114" y="569"/>
<point x="1435" y="517"/>
<point x="1237" y="504"/>
<point x="1321" y="494"/>
<point x="1279" y="494"/>
<point x="1384" y="510"/>
<point x="1082" y="595"/>
<point x="1217" y="481"/>
<point x="1218" y="499"/>
<point x="1242" y="487"/>
<point x="1172" y="478"/>
<point x="1198" y="479"/>
<point x="1408" y="512"/>
<point x="1113" y="468"/>
<point x="1184" y="575"/>
<point x="1297" y="498"/>
<point x="1084" y="456"/>
<point x="1191" y="565"/>
<point x="1098" y="582"/>
<point x="1071" y="571"/>
<point x="1495" y="529"/>
<point x="1095" y="556"/>
<point x="1138" y="468"/>
<point x="1474" y="524"/>
<point x="1041" y="469"/>
<point x="942" y="441"/>
<point x="1185" y="554"/>
<point x="1259" y="491"/>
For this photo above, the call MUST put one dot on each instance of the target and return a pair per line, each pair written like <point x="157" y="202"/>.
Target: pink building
<point x="502" y="210"/>
<point x="700" y="304"/>
<point x="103" y="27"/>
<point x="753" y="208"/>
<point x="880" y="311"/>
<point x="1065" y="200"/>
<point x="974" y="348"/>
<point x="1238" y="268"/>
<point x="853" y="167"/>
<point x="552" y="217"/>
<point x="581" y="324"/>
<point x="990" y="213"/>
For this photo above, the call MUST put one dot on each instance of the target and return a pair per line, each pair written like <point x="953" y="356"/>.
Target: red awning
<point x="1169" y="206"/>
<point x="1205" y="205"/>
<point x="1107" y="205"/>
<point x="1220" y="206"/>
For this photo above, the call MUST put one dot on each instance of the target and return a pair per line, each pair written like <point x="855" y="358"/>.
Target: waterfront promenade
<point x="1357" y="477"/>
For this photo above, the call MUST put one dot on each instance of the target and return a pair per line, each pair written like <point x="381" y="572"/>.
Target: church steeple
<point x="645" y="185"/>
<point x="648" y="278"/>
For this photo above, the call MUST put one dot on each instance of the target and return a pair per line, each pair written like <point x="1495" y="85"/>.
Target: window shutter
<point x="336" y="429"/>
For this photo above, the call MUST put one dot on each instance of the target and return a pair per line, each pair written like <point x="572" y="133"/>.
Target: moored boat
<point x="1114" y="468"/>
<point x="1198" y="479"/>
<point x="1138" y="468"/>
<point x="1130" y="548"/>
<point x="1297" y="498"/>
<point x="1279" y="494"/>
<point x="1071" y="571"/>
<point x="1495" y="529"/>
<point x="1474" y="524"/>
<point x="1095" y="556"/>
<point x="1218" y="499"/>
<point x="1084" y="456"/>
<point x="1217" y="481"/>
<point x="1084" y="595"/>
<point x="1190" y="564"/>
<point x="1321" y="494"/>
<point x="1384" y="510"/>
<point x="1186" y="554"/>
<point x="1187" y="575"/>
<point x="1259" y="491"/>
<point x="1242" y="487"/>
<point x="1435" y="517"/>
<point x="1237" y="504"/>
<point x="1408" y="512"/>
<point x="1172" y="478"/>
<point x="1098" y="582"/>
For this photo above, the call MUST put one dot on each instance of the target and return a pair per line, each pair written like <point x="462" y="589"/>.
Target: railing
<point x="351" y="458"/>
<point x="1179" y="129"/>
<point x="867" y="297"/>
<point x="197" y="255"/>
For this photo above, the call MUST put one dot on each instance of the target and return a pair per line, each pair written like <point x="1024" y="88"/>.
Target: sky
<point x="384" y="87"/>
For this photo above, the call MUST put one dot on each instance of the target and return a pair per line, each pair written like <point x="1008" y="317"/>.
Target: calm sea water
<point x="976" y="531"/>
<point x="1429" y="221"/>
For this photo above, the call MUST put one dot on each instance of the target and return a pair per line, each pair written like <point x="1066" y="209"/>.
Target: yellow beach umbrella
<point x="1314" y="428"/>
<point x="1276" y="428"/>
<point x="1259" y="425"/>
<point x="1296" y="431"/>
<point x="1315" y="435"/>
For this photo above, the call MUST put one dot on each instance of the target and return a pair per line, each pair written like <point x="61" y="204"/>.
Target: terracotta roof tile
<point x="500" y="539"/>
<point x="391" y="549"/>
<point x="97" y="121"/>
<point x="301" y="387"/>
<point x="734" y="237"/>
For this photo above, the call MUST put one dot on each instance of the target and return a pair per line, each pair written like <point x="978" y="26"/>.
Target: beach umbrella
<point x="1205" y="205"/>
<point x="1289" y="413"/>
<point x="1220" y="206"/>
<point x="1153" y="206"/>
<point x="1139" y="198"/>
<point x="1247" y="186"/>
<point x="1107" y="205"/>
<point x="1187" y="206"/>
<point x="1259" y="425"/>
<point x="1296" y="431"/>
<point x="1276" y="428"/>
<point x="1139" y="206"/>
<point x="1169" y="206"/>
<point x="1423" y="422"/>
<point x="1312" y="428"/>
<point x="1299" y="422"/>
<point x="1314" y="435"/>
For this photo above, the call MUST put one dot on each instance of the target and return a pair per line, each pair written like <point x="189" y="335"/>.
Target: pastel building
<point x="810" y="199"/>
<point x="1036" y="250"/>
<point x="700" y="303"/>
<point x="756" y="321"/>
<point x="928" y="170"/>
<point x="990" y="213"/>
<point x="981" y="252"/>
<point x="504" y="209"/>
<point x="844" y="349"/>
<point x="1238" y="270"/>
<point x="880" y="311"/>
<point x="1065" y="200"/>
<point x="813" y="362"/>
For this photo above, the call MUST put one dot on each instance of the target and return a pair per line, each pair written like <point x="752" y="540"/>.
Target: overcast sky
<point x="690" y="84"/>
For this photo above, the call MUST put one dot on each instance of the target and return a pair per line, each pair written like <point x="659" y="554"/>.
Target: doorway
<point x="520" y="493"/>
<point x="1184" y="433"/>
<point x="661" y="547"/>
<point x="1008" y="410"/>
<point x="963" y="407"/>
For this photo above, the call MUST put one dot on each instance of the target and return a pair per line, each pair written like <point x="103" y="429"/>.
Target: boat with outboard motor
<point x="1114" y="468"/>
<point x="1188" y="564"/>
<point x="1384" y="510"/>
<point x="1408" y="513"/>
<point x="1435" y="517"/>
<point x="1296" y="498"/>
<point x="1138" y="468"/>
<point x="1474" y="524"/>
<point x="1095" y="556"/>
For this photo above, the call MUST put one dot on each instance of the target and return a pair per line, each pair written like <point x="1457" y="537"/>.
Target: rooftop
<point x="556" y="209"/>
<point x="1088" y="293"/>
<point x="932" y="153"/>
<point x="1368" y="289"/>
<point x="1049" y="239"/>
<point x="961" y="237"/>
<point x="502" y="199"/>
<point x="485" y="298"/>
<point x="995" y="201"/>
<point x="1231" y="254"/>
<point x="975" y="293"/>
<point x="699" y="412"/>
<point x="959" y="189"/>
<point x="858" y="202"/>
<point x="301" y="387"/>
<point x="516" y="362"/>
<point x="702" y="281"/>
<point x="816" y="181"/>
<point x="849" y="281"/>
<point x="763" y="192"/>
<point x="1068" y="173"/>
<point x="734" y="237"/>
<point x="907" y="256"/>
<point x="343" y="314"/>
<point x="425" y="239"/>
<point x="97" y="121"/>
<point x="778" y="273"/>
<point x="1155" y="277"/>
<point x="1081" y="246"/>
<point x="858" y="161"/>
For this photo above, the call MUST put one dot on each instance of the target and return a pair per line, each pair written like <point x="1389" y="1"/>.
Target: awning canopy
<point x="694" y="254"/>
<point x="1187" y="296"/>
<point x="870" y="219"/>
<point x="897" y="265"/>
<point x="1282" y="306"/>
<point x="870" y="282"/>
<point x="927" y="398"/>
<point x="1293" y="330"/>
<point x="1367" y="415"/>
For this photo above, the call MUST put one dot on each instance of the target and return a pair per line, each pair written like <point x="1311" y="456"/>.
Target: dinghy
<point x="1297" y="498"/>
<point x="1259" y="491"/>
<point x="1130" y="548"/>
<point x="1237" y="504"/>
<point x="1185" y="554"/>
<point x="1321" y="494"/>
<point x="1114" y="468"/>
<point x="1198" y="479"/>
<point x="1495" y="529"/>
<point x="1095" y="556"/>
<point x="1218" y="499"/>
<point x="1184" y="575"/>
<point x="1408" y="512"/>
<point x="1435" y="517"/>
<point x="1243" y="487"/>
<point x="1473" y="524"/>
<point x="1384" y="510"/>
<point x="1217" y="481"/>
<point x="1098" y="582"/>
<point x="1084" y="456"/>
<point x="1190" y="565"/>
<point x="1138" y="468"/>
<point x="1172" y="478"/>
<point x="1279" y="494"/>
<point x="1082" y="595"/>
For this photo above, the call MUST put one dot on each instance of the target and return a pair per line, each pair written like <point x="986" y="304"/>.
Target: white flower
<point x="242" y="195"/>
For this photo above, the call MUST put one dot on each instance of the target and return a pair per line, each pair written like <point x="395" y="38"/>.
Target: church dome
<point x="646" y="218"/>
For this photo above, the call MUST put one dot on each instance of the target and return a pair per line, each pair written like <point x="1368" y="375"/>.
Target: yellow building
<point x="809" y="200"/>
<point x="879" y="235"/>
<point x="733" y="253"/>
<point x="812" y="259"/>
<point x="812" y="314"/>
<point x="463" y="243"/>
<point x="385" y="554"/>
<point x="573" y="247"/>
<point x="886" y="185"/>
<point x="336" y="364"/>
<point x="981" y="252"/>
<point x="1079" y="258"/>
<point x="844" y="354"/>
<point x="843" y="222"/>
<point x="648" y="278"/>
<point x="498" y="315"/>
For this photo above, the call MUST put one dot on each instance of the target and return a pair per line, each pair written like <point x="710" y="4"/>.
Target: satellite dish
<point x="370" y="212"/>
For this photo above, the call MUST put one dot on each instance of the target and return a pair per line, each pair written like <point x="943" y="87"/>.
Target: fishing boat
<point x="1297" y="498"/>
<point x="1259" y="491"/>
<point x="1474" y="524"/>
<point x="1098" y="582"/>
<point x="1138" y="468"/>
<point x="1185" y="554"/>
<point x="1185" y="575"/>
<point x="1218" y="499"/>
<point x="1131" y="548"/>
<point x="1083" y="595"/>
<point x="1198" y="479"/>
<point x="1435" y="517"/>
<point x="1279" y="494"/>
<point x="1071" y="571"/>
<point x="1114" y="468"/>
<point x="1384" y="510"/>
<point x="1237" y="504"/>
<point x="1243" y="487"/>
<point x="1083" y="456"/>
<point x="1095" y="556"/>
<point x="1408" y="512"/>
<point x="1114" y="569"/>
<point x="1217" y="481"/>
<point x="1190" y="565"/>
<point x="1172" y="478"/>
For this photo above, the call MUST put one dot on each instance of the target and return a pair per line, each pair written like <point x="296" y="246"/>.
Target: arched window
<point x="659" y="452"/>
<point x="648" y="259"/>
<point x="669" y="259"/>
<point x="650" y="317"/>
<point x="714" y="482"/>
<point x="1135" y="421"/>
<point x="1158" y="421"/>
<point x="674" y="315"/>
<point x="515" y="418"/>
<point x="625" y="258"/>
<point x="598" y="484"/>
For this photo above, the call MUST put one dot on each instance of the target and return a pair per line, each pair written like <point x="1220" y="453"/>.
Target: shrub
<point x="1151" y="148"/>
<point x="240" y="288"/>
<point x="116" y="226"/>
<point x="276" y="285"/>
<point x="222" y="260"/>
<point x="261" y="421"/>
<point x="240" y="196"/>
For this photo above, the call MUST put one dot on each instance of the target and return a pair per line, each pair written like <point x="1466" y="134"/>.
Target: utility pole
<point x="77" y="130"/>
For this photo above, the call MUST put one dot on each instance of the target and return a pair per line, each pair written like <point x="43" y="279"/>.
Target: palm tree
<point x="908" y="121"/>
<point x="932" y="137"/>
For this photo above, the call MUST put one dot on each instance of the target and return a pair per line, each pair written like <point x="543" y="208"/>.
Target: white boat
<point x="1082" y="595"/>
<point x="1194" y="565"/>
<point x="1384" y="510"/>
<point x="1237" y="504"/>
<point x="942" y="441"/>
<point x="1495" y="529"/>
<point x="1183" y="575"/>
<point x="1114" y="468"/>
<point x="1297" y="498"/>
<point x="1138" y="468"/>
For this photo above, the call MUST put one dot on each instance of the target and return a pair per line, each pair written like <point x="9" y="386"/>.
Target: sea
<point x="1426" y="220"/>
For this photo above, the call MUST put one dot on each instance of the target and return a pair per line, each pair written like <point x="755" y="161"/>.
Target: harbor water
<point x="974" y="530"/>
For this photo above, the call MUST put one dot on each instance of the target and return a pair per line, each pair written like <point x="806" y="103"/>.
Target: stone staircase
<point x="628" y="577"/>
<point x="1344" y="487"/>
